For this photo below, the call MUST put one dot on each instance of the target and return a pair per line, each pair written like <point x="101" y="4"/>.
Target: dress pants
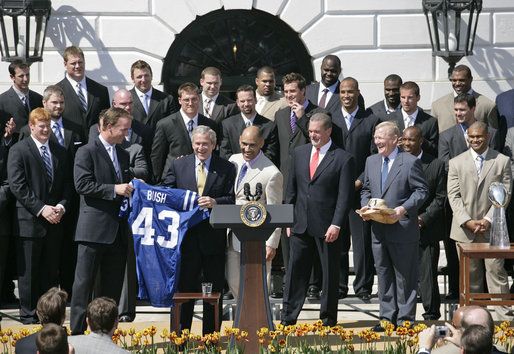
<point x="397" y="272"/>
<point x="38" y="269"/>
<point x="298" y="273"/>
<point x="91" y="258"/>
<point x="363" y="262"/>
<point x="428" y="286"/>
<point x="450" y="250"/>
<point x="127" y="305"/>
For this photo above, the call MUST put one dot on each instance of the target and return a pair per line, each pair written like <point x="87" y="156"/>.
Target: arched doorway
<point x="238" y="42"/>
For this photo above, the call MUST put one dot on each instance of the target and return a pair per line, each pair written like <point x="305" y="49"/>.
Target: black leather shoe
<point x="342" y="294"/>
<point x="313" y="293"/>
<point x="276" y="295"/>
<point x="364" y="297"/>
<point x="430" y="317"/>
<point x="287" y="323"/>
<point x="329" y="323"/>
<point x="452" y="296"/>
<point x="378" y="327"/>
<point x="126" y="318"/>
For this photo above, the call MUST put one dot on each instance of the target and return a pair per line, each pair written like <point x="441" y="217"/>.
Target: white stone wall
<point x="373" y="38"/>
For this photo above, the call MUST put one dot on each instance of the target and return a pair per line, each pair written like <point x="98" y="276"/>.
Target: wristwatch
<point x="424" y="350"/>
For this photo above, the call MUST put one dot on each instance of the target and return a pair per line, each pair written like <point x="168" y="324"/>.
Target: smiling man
<point x="213" y="105"/>
<point x="391" y="101"/>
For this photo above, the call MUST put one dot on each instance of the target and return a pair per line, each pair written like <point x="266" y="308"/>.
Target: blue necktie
<point x="57" y="132"/>
<point x="47" y="162"/>
<point x="242" y="174"/>
<point x="82" y="98"/>
<point x="292" y="122"/>
<point x="385" y="171"/>
<point x="190" y="127"/>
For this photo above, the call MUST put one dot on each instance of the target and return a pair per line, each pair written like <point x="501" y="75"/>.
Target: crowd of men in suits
<point x="67" y="157"/>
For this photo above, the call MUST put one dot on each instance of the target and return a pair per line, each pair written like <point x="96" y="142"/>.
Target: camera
<point x="441" y="331"/>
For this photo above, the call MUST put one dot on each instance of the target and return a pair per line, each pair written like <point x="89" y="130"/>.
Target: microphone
<point x="258" y="191"/>
<point x="246" y="191"/>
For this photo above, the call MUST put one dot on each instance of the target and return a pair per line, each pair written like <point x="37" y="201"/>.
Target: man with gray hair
<point x="203" y="248"/>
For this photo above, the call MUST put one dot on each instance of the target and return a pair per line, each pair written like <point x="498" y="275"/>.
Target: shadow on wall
<point x="68" y="27"/>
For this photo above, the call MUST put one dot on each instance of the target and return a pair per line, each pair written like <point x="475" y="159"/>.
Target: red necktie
<point x="314" y="163"/>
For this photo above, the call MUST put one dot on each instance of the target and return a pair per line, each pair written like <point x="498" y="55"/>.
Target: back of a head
<point x="102" y="315"/>
<point x="52" y="339"/>
<point x="476" y="315"/>
<point x="477" y="339"/>
<point x="51" y="306"/>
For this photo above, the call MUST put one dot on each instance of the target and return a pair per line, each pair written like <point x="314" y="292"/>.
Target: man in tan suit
<point x="461" y="80"/>
<point x="268" y="100"/>
<point x="469" y="176"/>
<point x="253" y="167"/>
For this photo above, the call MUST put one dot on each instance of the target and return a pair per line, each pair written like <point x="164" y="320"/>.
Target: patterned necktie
<point x="292" y="122"/>
<point x="242" y="174"/>
<point x="144" y="98"/>
<point x="114" y="159"/>
<point x="323" y="99"/>
<point x="57" y="132"/>
<point x="479" y="164"/>
<point x="348" y="120"/>
<point x="314" y="163"/>
<point x="385" y="171"/>
<point x="207" y="108"/>
<point x="25" y="101"/>
<point x="47" y="162"/>
<point x="248" y="123"/>
<point x="190" y="127"/>
<point x="82" y="98"/>
<point x="200" y="177"/>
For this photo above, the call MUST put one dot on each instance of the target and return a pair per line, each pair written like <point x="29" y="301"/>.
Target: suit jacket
<point x="265" y="172"/>
<point x="233" y="127"/>
<point x="74" y="115"/>
<point x="11" y="106"/>
<point x="31" y="187"/>
<point x="325" y="199"/>
<point x="452" y="143"/>
<point x="272" y="105"/>
<point x="26" y="345"/>
<point x="6" y="197"/>
<point x="379" y="110"/>
<point x="405" y="186"/>
<point x="95" y="178"/>
<point x="171" y="141"/>
<point x="431" y="212"/>
<point x="334" y="103"/>
<point x="508" y="150"/>
<point x="505" y="106"/>
<point x="468" y="194"/>
<point x="223" y="107"/>
<point x="219" y="185"/>
<point x="485" y="111"/>
<point x="95" y="343"/>
<point x="72" y="140"/>
<point x="428" y="126"/>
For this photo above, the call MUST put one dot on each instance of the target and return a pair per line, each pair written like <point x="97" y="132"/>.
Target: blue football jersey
<point x="159" y="219"/>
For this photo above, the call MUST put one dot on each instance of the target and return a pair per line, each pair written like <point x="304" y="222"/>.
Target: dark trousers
<point x="299" y="270"/>
<point x="38" y="269"/>
<point x="4" y="246"/>
<point x="92" y="257"/>
<point x="363" y="262"/>
<point x="450" y="250"/>
<point x="428" y="286"/>
<point x="127" y="305"/>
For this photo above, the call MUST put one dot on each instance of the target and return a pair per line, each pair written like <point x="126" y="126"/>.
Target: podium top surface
<point x="228" y="216"/>
<point x="485" y="250"/>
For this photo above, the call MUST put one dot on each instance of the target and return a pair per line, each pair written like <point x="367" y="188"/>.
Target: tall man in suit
<point x="461" y="80"/>
<point x="469" y="176"/>
<point x="396" y="177"/>
<point x="431" y="229"/>
<point x="149" y="104"/>
<point x="391" y="101"/>
<point x="505" y="107"/>
<point x="232" y="127"/>
<point x="321" y="189"/>
<point x="19" y="100"/>
<point x="213" y="105"/>
<point x="358" y="127"/>
<point x="268" y="100"/>
<point x="410" y="114"/>
<point x="85" y="98"/>
<point x="40" y="180"/>
<point x="173" y="133"/>
<point x="101" y="174"/>
<point x="203" y="248"/>
<point x="253" y="167"/>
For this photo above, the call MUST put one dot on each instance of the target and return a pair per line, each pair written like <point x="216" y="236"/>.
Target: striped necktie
<point x="47" y="162"/>
<point x="56" y="128"/>
<point x="82" y="98"/>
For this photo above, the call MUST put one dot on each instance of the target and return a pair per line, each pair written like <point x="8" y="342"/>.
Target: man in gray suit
<point x="102" y="319"/>
<point x="268" y="100"/>
<point x="391" y="102"/>
<point x="397" y="177"/>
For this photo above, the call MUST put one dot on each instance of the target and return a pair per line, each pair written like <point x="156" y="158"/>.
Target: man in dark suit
<point x="321" y="189"/>
<point x="149" y="104"/>
<point x="101" y="174"/>
<point x="85" y="98"/>
<point x="391" y="102"/>
<point x="410" y="114"/>
<point x="40" y="180"/>
<point x="325" y="94"/>
<point x="203" y="248"/>
<point x="397" y="178"/>
<point x="431" y="229"/>
<point x="173" y="133"/>
<point x="505" y="107"/>
<point x="19" y="100"/>
<point x="213" y="105"/>
<point x="357" y="127"/>
<point x="232" y="127"/>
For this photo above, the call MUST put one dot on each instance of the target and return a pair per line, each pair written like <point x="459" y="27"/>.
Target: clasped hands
<point x="52" y="214"/>
<point x="477" y="226"/>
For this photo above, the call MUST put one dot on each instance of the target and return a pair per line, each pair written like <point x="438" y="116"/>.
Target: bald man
<point x="253" y="167"/>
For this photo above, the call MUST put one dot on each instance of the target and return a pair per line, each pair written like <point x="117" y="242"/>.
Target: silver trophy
<point x="499" y="234"/>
